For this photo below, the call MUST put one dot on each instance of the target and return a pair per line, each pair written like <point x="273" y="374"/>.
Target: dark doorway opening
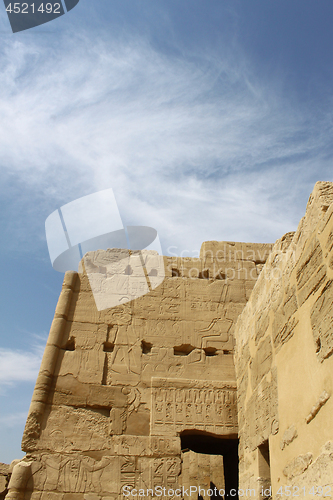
<point x="201" y="442"/>
<point x="264" y="469"/>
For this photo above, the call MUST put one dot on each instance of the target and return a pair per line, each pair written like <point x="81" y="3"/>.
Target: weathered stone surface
<point x="286" y="328"/>
<point x="316" y="407"/>
<point x="4" y="478"/>
<point x="288" y="437"/>
<point x="313" y="285"/>
<point x="121" y="383"/>
<point x="201" y="470"/>
<point x="284" y="321"/>
<point x="261" y="362"/>
<point x="317" y="475"/>
<point x="310" y="273"/>
<point x="263" y="408"/>
<point x="322" y="322"/>
<point x="178" y="405"/>
<point x="261" y="325"/>
<point x="311" y="259"/>
<point x="297" y="466"/>
<point x="235" y="343"/>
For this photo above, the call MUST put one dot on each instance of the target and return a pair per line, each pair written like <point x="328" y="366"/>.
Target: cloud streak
<point x="19" y="366"/>
<point x="12" y="420"/>
<point x="195" y="143"/>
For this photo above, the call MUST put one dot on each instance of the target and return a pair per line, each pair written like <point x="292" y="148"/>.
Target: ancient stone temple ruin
<point x="216" y="383"/>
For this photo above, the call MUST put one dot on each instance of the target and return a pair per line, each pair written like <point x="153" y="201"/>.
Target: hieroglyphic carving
<point x="145" y="446"/>
<point x="75" y="474"/>
<point x="321" y="322"/>
<point x="263" y="407"/>
<point x="215" y="334"/>
<point x="196" y="405"/>
<point x="128" y="472"/>
<point x="117" y="420"/>
<point x="101" y="429"/>
<point x="149" y="475"/>
<point x="166" y="472"/>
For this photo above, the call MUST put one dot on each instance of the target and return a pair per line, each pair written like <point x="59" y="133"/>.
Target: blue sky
<point x="210" y="119"/>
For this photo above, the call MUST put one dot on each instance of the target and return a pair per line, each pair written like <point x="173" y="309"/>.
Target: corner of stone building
<point x="284" y="342"/>
<point x="4" y="480"/>
<point x="44" y="381"/>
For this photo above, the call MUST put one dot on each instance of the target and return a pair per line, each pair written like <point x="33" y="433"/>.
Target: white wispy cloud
<point x="199" y="148"/>
<point x="12" y="420"/>
<point x="19" y="366"/>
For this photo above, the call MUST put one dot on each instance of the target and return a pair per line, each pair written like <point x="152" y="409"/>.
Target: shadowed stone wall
<point x="284" y="362"/>
<point x="4" y="474"/>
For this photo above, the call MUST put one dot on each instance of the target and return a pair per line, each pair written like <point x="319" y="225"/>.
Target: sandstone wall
<point x="4" y="474"/>
<point x="118" y="386"/>
<point x="284" y="362"/>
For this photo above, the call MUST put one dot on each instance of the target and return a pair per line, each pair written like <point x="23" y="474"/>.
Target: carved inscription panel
<point x="176" y="406"/>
